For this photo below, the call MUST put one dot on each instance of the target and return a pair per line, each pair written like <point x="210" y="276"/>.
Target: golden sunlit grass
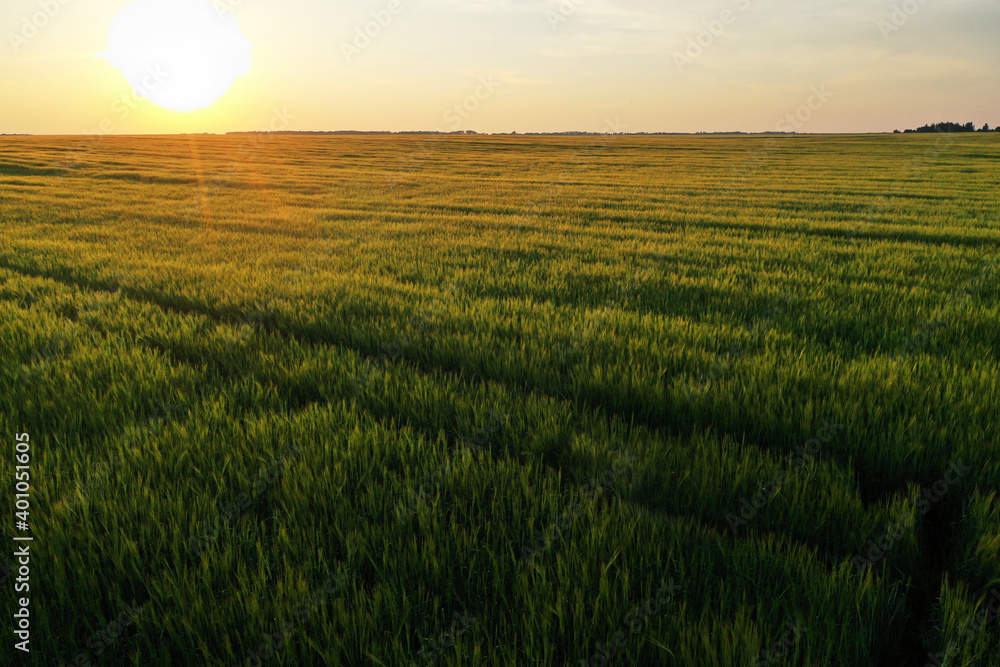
<point x="526" y="381"/>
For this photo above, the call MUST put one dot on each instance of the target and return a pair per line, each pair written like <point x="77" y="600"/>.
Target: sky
<point x="527" y="66"/>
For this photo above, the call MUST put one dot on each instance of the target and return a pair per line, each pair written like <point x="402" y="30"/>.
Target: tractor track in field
<point x="937" y="538"/>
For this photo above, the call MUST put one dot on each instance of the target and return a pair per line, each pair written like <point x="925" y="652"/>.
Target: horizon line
<point x="467" y="133"/>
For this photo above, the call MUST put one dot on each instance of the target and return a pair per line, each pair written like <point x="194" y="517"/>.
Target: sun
<point x="180" y="54"/>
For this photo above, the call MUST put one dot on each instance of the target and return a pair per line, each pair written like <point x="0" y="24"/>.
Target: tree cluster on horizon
<point x="952" y="127"/>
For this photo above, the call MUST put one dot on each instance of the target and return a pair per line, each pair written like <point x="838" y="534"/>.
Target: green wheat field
<point x="404" y="400"/>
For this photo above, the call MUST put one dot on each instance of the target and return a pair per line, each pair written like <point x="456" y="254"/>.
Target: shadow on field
<point x="17" y="169"/>
<point x="136" y="177"/>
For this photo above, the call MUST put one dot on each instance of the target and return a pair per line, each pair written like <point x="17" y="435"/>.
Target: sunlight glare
<point x="180" y="54"/>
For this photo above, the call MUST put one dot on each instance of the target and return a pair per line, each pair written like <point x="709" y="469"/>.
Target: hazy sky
<point x="536" y="65"/>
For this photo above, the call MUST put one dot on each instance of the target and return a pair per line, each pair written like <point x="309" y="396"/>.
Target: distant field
<point x="505" y="400"/>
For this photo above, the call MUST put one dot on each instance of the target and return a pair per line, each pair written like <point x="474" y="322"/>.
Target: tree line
<point x="952" y="127"/>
